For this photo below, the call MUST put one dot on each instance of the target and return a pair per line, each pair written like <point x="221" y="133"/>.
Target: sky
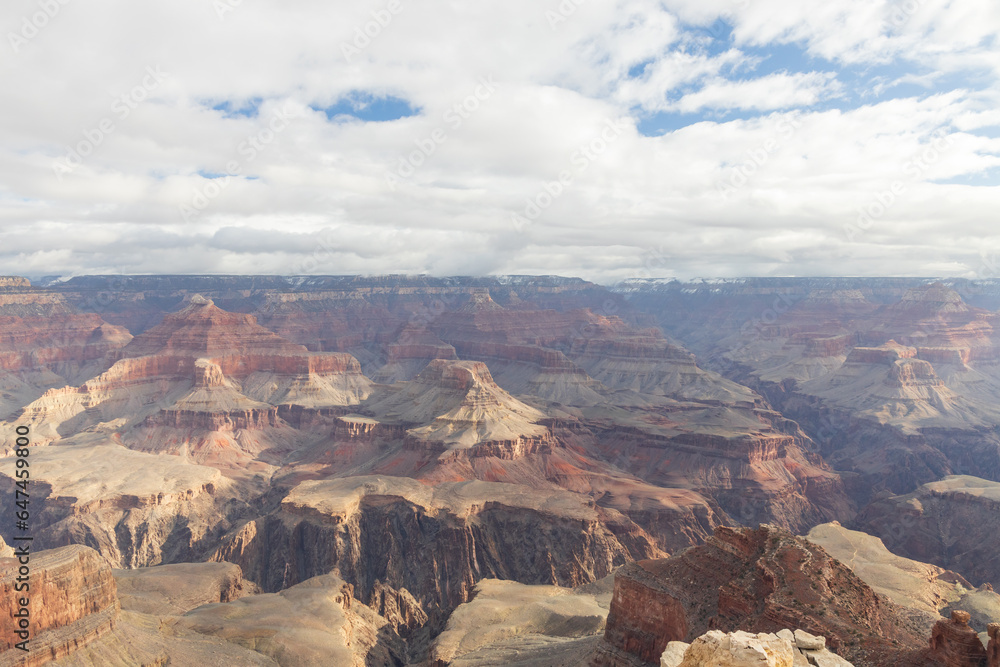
<point x="604" y="139"/>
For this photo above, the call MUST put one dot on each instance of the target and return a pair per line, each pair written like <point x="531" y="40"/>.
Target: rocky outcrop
<point x="72" y="602"/>
<point x="993" y="647"/>
<point x="398" y="607"/>
<point x="743" y="649"/>
<point x="644" y="616"/>
<point x="759" y="580"/>
<point x="955" y="644"/>
<point x="314" y="622"/>
<point x="738" y="649"/>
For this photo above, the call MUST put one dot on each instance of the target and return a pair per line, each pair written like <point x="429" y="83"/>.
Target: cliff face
<point x="135" y="509"/>
<point x="759" y="580"/>
<point x="73" y="602"/>
<point x="434" y="542"/>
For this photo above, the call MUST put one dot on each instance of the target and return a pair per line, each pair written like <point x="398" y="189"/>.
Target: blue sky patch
<point x="854" y="86"/>
<point x="986" y="178"/>
<point x="369" y="107"/>
<point x="239" y="109"/>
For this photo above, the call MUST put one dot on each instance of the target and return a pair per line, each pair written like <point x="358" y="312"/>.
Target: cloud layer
<point x="600" y="139"/>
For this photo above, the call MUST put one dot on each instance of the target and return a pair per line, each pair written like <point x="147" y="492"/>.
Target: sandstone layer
<point x="72" y="602"/>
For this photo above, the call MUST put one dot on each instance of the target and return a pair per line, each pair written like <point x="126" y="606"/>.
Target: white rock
<point x="825" y="658"/>
<point x="786" y="634"/>
<point x="804" y="640"/>
<point x="799" y="659"/>
<point x="673" y="655"/>
<point x="739" y="649"/>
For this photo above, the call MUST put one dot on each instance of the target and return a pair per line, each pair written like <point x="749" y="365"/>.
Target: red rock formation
<point x="821" y="344"/>
<point x="946" y="355"/>
<point x="366" y="430"/>
<point x="530" y="354"/>
<point x="644" y="616"/>
<point x="203" y="345"/>
<point x="457" y="405"/>
<point x="202" y="329"/>
<point x="993" y="648"/>
<point x="229" y="420"/>
<point x="73" y="601"/>
<point x="758" y="581"/>
<point x="44" y="344"/>
<point x="955" y="644"/>
<point x="47" y="342"/>
<point x="912" y="373"/>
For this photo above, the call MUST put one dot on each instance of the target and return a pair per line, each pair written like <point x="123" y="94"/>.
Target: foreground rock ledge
<point x="743" y="649"/>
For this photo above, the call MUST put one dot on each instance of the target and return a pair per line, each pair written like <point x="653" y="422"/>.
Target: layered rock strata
<point x="72" y="602"/>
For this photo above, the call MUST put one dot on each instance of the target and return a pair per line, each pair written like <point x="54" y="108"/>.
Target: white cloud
<point x="315" y="197"/>
<point x="774" y="91"/>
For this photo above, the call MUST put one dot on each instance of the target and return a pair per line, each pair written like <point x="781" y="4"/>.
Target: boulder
<point x="739" y="649"/>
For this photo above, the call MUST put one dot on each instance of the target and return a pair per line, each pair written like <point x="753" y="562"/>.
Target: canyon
<point x="509" y="470"/>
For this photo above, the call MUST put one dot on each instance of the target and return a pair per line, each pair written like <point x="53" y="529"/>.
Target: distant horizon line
<point x="57" y="279"/>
